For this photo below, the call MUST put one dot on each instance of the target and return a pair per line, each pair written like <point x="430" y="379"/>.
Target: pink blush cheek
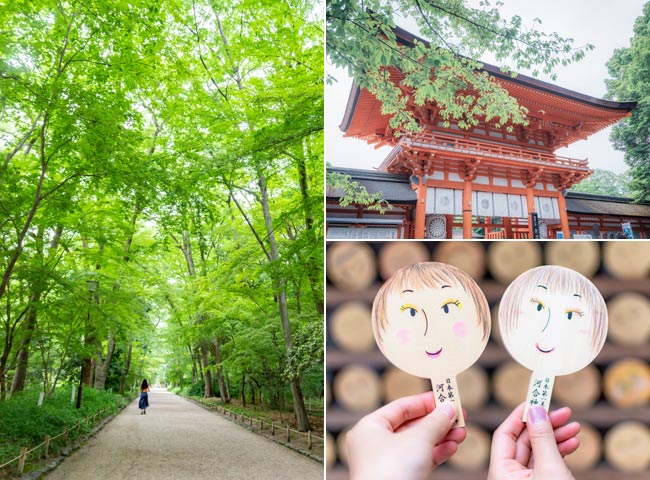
<point x="459" y="329"/>
<point x="583" y="332"/>
<point x="403" y="336"/>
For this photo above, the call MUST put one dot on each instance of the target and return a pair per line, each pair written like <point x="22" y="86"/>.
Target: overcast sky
<point x="607" y="24"/>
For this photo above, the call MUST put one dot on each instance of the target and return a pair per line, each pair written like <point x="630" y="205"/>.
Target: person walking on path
<point x="144" y="397"/>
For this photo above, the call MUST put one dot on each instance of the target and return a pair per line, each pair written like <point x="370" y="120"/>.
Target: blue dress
<point x="144" y="401"/>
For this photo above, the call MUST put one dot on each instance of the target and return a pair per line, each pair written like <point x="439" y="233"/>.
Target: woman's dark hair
<point x="144" y="384"/>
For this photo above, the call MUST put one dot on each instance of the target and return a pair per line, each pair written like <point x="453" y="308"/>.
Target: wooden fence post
<point x="308" y="439"/>
<point x="46" y="447"/>
<point x="65" y="435"/>
<point x="288" y="434"/>
<point x="21" y="460"/>
<point x="272" y="428"/>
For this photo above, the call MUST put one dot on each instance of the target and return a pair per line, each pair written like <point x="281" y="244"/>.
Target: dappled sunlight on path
<point x="179" y="440"/>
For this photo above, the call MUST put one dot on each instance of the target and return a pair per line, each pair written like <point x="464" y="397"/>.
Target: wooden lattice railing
<point x="478" y="149"/>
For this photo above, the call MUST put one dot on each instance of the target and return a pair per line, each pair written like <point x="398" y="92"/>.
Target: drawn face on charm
<point x="436" y="328"/>
<point x="553" y="320"/>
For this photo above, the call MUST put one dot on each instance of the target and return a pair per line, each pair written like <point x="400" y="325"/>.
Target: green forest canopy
<point x="161" y="195"/>
<point x="630" y="80"/>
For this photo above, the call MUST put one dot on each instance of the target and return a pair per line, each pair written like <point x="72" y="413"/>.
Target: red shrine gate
<point x="488" y="172"/>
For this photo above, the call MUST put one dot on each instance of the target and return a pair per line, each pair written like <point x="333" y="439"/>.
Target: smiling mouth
<point x="542" y="350"/>
<point x="435" y="354"/>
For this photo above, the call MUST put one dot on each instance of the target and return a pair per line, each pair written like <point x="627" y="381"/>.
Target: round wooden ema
<point x="330" y="451"/>
<point x="467" y="256"/>
<point x="357" y="388"/>
<point x="396" y="255"/>
<point x="510" y="383"/>
<point x="474" y="385"/>
<point x="583" y="257"/>
<point x="496" y="335"/>
<point x="351" y="329"/>
<point x="342" y="446"/>
<point x="627" y="383"/>
<point x="398" y="384"/>
<point x="351" y="265"/>
<point x="627" y="447"/>
<point x="432" y="321"/>
<point x="474" y="452"/>
<point x="328" y="393"/>
<point x="553" y="321"/>
<point x="507" y="260"/>
<point x="627" y="260"/>
<point x="629" y="319"/>
<point x="589" y="452"/>
<point x="580" y="389"/>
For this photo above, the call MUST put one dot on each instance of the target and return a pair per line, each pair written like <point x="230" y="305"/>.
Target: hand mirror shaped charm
<point x="432" y="320"/>
<point x="553" y="321"/>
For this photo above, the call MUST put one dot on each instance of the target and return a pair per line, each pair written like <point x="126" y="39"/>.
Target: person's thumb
<point x="547" y="459"/>
<point x="436" y="424"/>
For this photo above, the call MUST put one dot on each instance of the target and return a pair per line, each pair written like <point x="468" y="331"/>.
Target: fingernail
<point x="537" y="414"/>
<point x="449" y="410"/>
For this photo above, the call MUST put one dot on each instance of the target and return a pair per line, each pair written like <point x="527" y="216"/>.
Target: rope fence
<point x="272" y="427"/>
<point x="48" y="440"/>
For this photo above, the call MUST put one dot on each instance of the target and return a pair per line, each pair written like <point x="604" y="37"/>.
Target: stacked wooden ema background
<point x="611" y="398"/>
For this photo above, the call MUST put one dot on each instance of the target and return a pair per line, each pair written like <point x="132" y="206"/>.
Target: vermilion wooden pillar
<point x="467" y="209"/>
<point x="507" y="226"/>
<point x="450" y="226"/>
<point x="530" y="204"/>
<point x="420" y="208"/>
<point x="564" y="217"/>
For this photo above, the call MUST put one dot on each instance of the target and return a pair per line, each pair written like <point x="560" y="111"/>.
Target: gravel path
<point x="179" y="440"/>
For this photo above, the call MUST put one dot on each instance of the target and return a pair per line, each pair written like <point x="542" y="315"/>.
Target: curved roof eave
<point x="408" y="39"/>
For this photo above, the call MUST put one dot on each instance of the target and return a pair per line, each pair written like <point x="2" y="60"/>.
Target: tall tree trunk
<point x="22" y="359"/>
<point x="243" y="389"/>
<point x="127" y="367"/>
<point x="198" y="362"/>
<point x="227" y="382"/>
<point x="281" y="288"/>
<point x="217" y="360"/>
<point x="3" y="368"/>
<point x="38" y="286"/>
<point x="87" y="372"/>
<point x="195" y="373"/>
<point x="90" y="340"/>
<point x="207" y="375"/>
<point x="38" y="197"/>
<point x="103" y="364"/>
<point x="314" y="283"/>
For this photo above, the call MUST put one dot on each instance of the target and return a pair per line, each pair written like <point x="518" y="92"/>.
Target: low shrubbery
<point x="24" y="424"/>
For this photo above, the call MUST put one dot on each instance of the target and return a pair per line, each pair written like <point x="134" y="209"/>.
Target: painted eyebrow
<point x="577" y="295"/>
<point x="445" y="286"/>
<point x="542" y="286"/>
<point x="404" y="291"/>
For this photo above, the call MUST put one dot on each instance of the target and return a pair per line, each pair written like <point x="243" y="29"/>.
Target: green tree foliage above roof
<point x="630" y="71"/>
<point x="361" y="39"/>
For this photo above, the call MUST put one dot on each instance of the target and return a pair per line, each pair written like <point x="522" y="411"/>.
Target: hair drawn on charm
<point x="433" y="321"/>
<point x="553" y="321"/>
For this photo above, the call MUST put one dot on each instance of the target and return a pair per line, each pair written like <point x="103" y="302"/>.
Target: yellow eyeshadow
<point x="537" y="300"/>
<point x="407" y="306"/>
<point x="453" y="301"/>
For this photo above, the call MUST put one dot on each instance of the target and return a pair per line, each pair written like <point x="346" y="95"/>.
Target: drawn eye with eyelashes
<point x="446" y="306"/>
<point x="412" y="309"/>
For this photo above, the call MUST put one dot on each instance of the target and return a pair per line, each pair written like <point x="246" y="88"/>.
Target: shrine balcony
<point x="472" y="149"/>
